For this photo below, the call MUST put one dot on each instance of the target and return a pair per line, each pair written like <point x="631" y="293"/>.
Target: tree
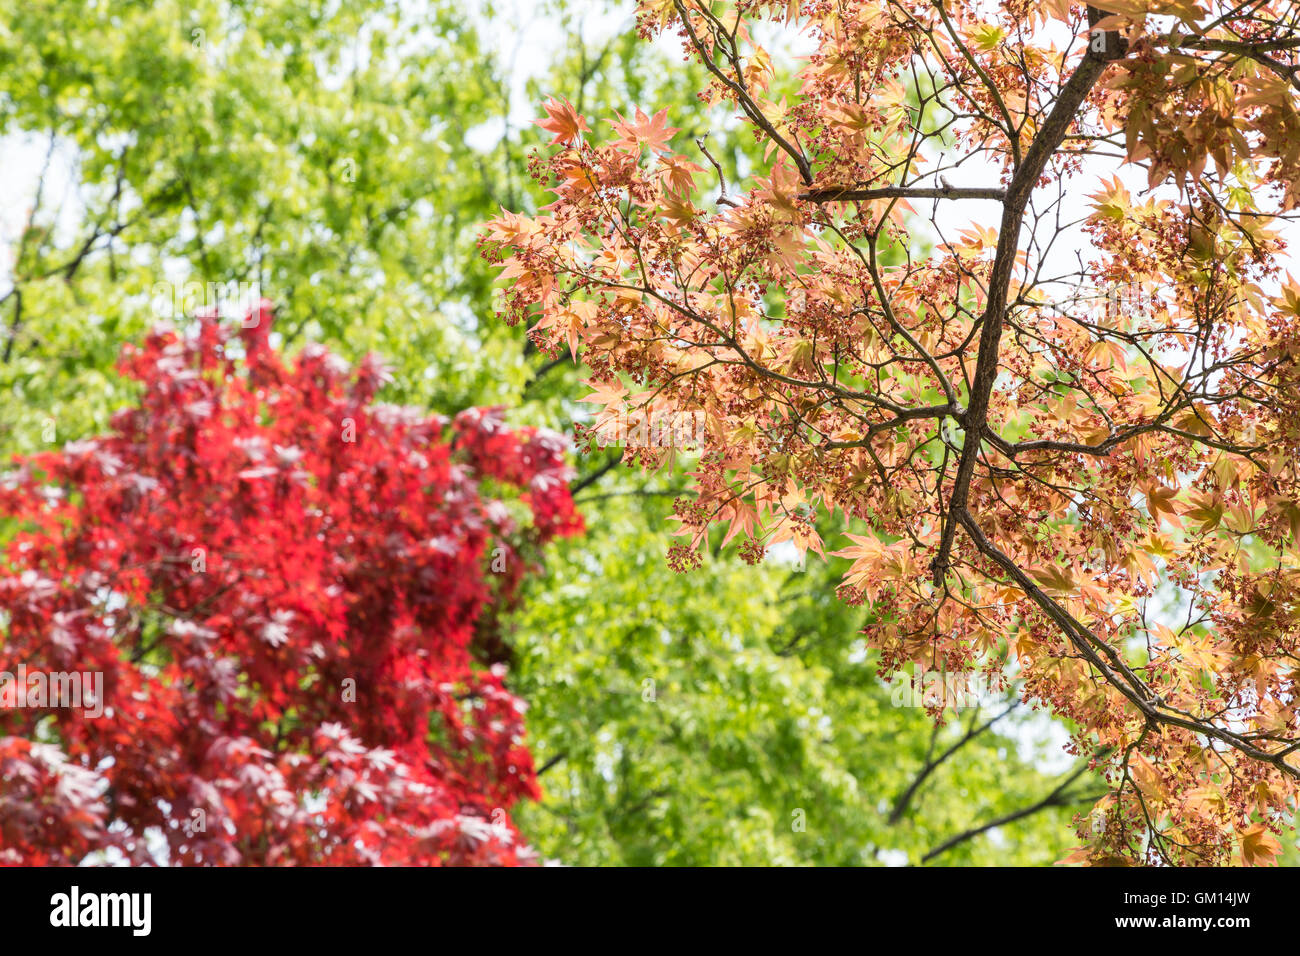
<point x="280" y="596"/>
<point x="732" y="717"/>
<point x="686" y="720"/>
<point x="1104" y="503"/>
<point x="188" y="152"/>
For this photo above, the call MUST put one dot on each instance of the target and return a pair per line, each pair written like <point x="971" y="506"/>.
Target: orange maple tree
<point x="1065" y="440"/>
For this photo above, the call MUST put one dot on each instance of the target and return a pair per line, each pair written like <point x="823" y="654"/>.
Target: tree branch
<point x="904" y="192"/>
<point x="900" y="807"/>
<point x="1056" y="798"/>
<point x="1050" y="136"/>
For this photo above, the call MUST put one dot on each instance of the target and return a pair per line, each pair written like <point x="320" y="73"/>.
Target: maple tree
<point x="1103" y="501"/>
<point x="290" y="590"/>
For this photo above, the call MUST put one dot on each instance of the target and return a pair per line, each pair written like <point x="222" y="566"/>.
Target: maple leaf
<point x="1054" y="578"/>
<point x="1207" y="509"/>
<point x="678" y="174"/>
<point x="743" y="519"/>
<point x="605" y="393"/>
<point x="1207" y="802"/>
<point x="678" y="208"/>
<point x="1162" y="504"/>
<point x="868" y="555"/>
<point x="1259" y="847"/>
<point x="512" y="228"/>
<point x="563" y="120"/>
<point x="644" y="131"/>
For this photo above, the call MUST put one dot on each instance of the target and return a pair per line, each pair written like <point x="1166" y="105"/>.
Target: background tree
<point x="282" y="586"/>
<point x="1033" y="483"/>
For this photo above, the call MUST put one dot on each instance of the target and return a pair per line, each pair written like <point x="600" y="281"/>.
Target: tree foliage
<point x="730" y="717"/>
<point x="283" y="585"/>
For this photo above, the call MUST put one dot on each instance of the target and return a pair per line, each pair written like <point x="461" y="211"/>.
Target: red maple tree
<point x="289" y="590"/>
